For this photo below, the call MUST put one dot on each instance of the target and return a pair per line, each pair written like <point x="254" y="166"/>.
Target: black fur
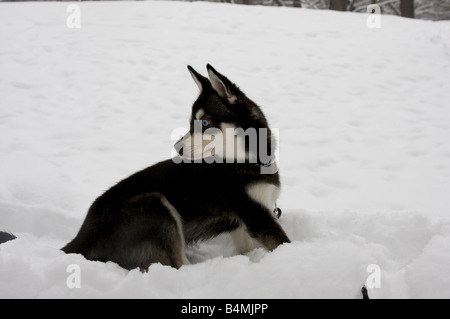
<point x="364" y="292"/>
<point x="132" y="223"/>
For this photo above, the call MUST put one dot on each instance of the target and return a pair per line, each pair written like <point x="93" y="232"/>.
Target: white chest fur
<point x="265" y="194"/>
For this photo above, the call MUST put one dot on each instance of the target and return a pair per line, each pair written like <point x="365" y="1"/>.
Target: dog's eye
<point x="205" y="122"/>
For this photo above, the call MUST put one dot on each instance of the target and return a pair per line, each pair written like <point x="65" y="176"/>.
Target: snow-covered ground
<point x="364" y="122"/>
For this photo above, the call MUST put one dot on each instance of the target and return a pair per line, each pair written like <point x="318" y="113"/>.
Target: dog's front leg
<point x="262" y="226"/>
<point x="241" y="240"/>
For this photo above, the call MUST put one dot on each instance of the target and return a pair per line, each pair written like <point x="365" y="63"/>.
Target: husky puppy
<point x="152" y="215"/>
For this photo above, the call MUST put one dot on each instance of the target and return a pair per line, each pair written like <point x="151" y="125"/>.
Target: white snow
<point x="364" y="123"/>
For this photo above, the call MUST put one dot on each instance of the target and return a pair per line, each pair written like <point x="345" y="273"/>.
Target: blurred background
<point x="419" y="9"/>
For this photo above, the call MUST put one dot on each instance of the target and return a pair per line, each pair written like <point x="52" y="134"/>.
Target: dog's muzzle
<point x="181" y="143"/>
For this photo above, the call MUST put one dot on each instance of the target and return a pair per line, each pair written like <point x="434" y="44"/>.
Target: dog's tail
<point x="4" y="237"/>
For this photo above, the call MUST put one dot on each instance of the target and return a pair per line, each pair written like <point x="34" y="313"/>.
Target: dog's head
<point x="225" y="125"/>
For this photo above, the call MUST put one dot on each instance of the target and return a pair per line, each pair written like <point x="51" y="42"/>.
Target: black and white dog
<point x="225" y="180"/>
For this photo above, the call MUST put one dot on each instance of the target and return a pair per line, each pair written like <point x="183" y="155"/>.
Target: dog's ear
<point x="199" y="79"/>
<point x="224" y="87"/>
